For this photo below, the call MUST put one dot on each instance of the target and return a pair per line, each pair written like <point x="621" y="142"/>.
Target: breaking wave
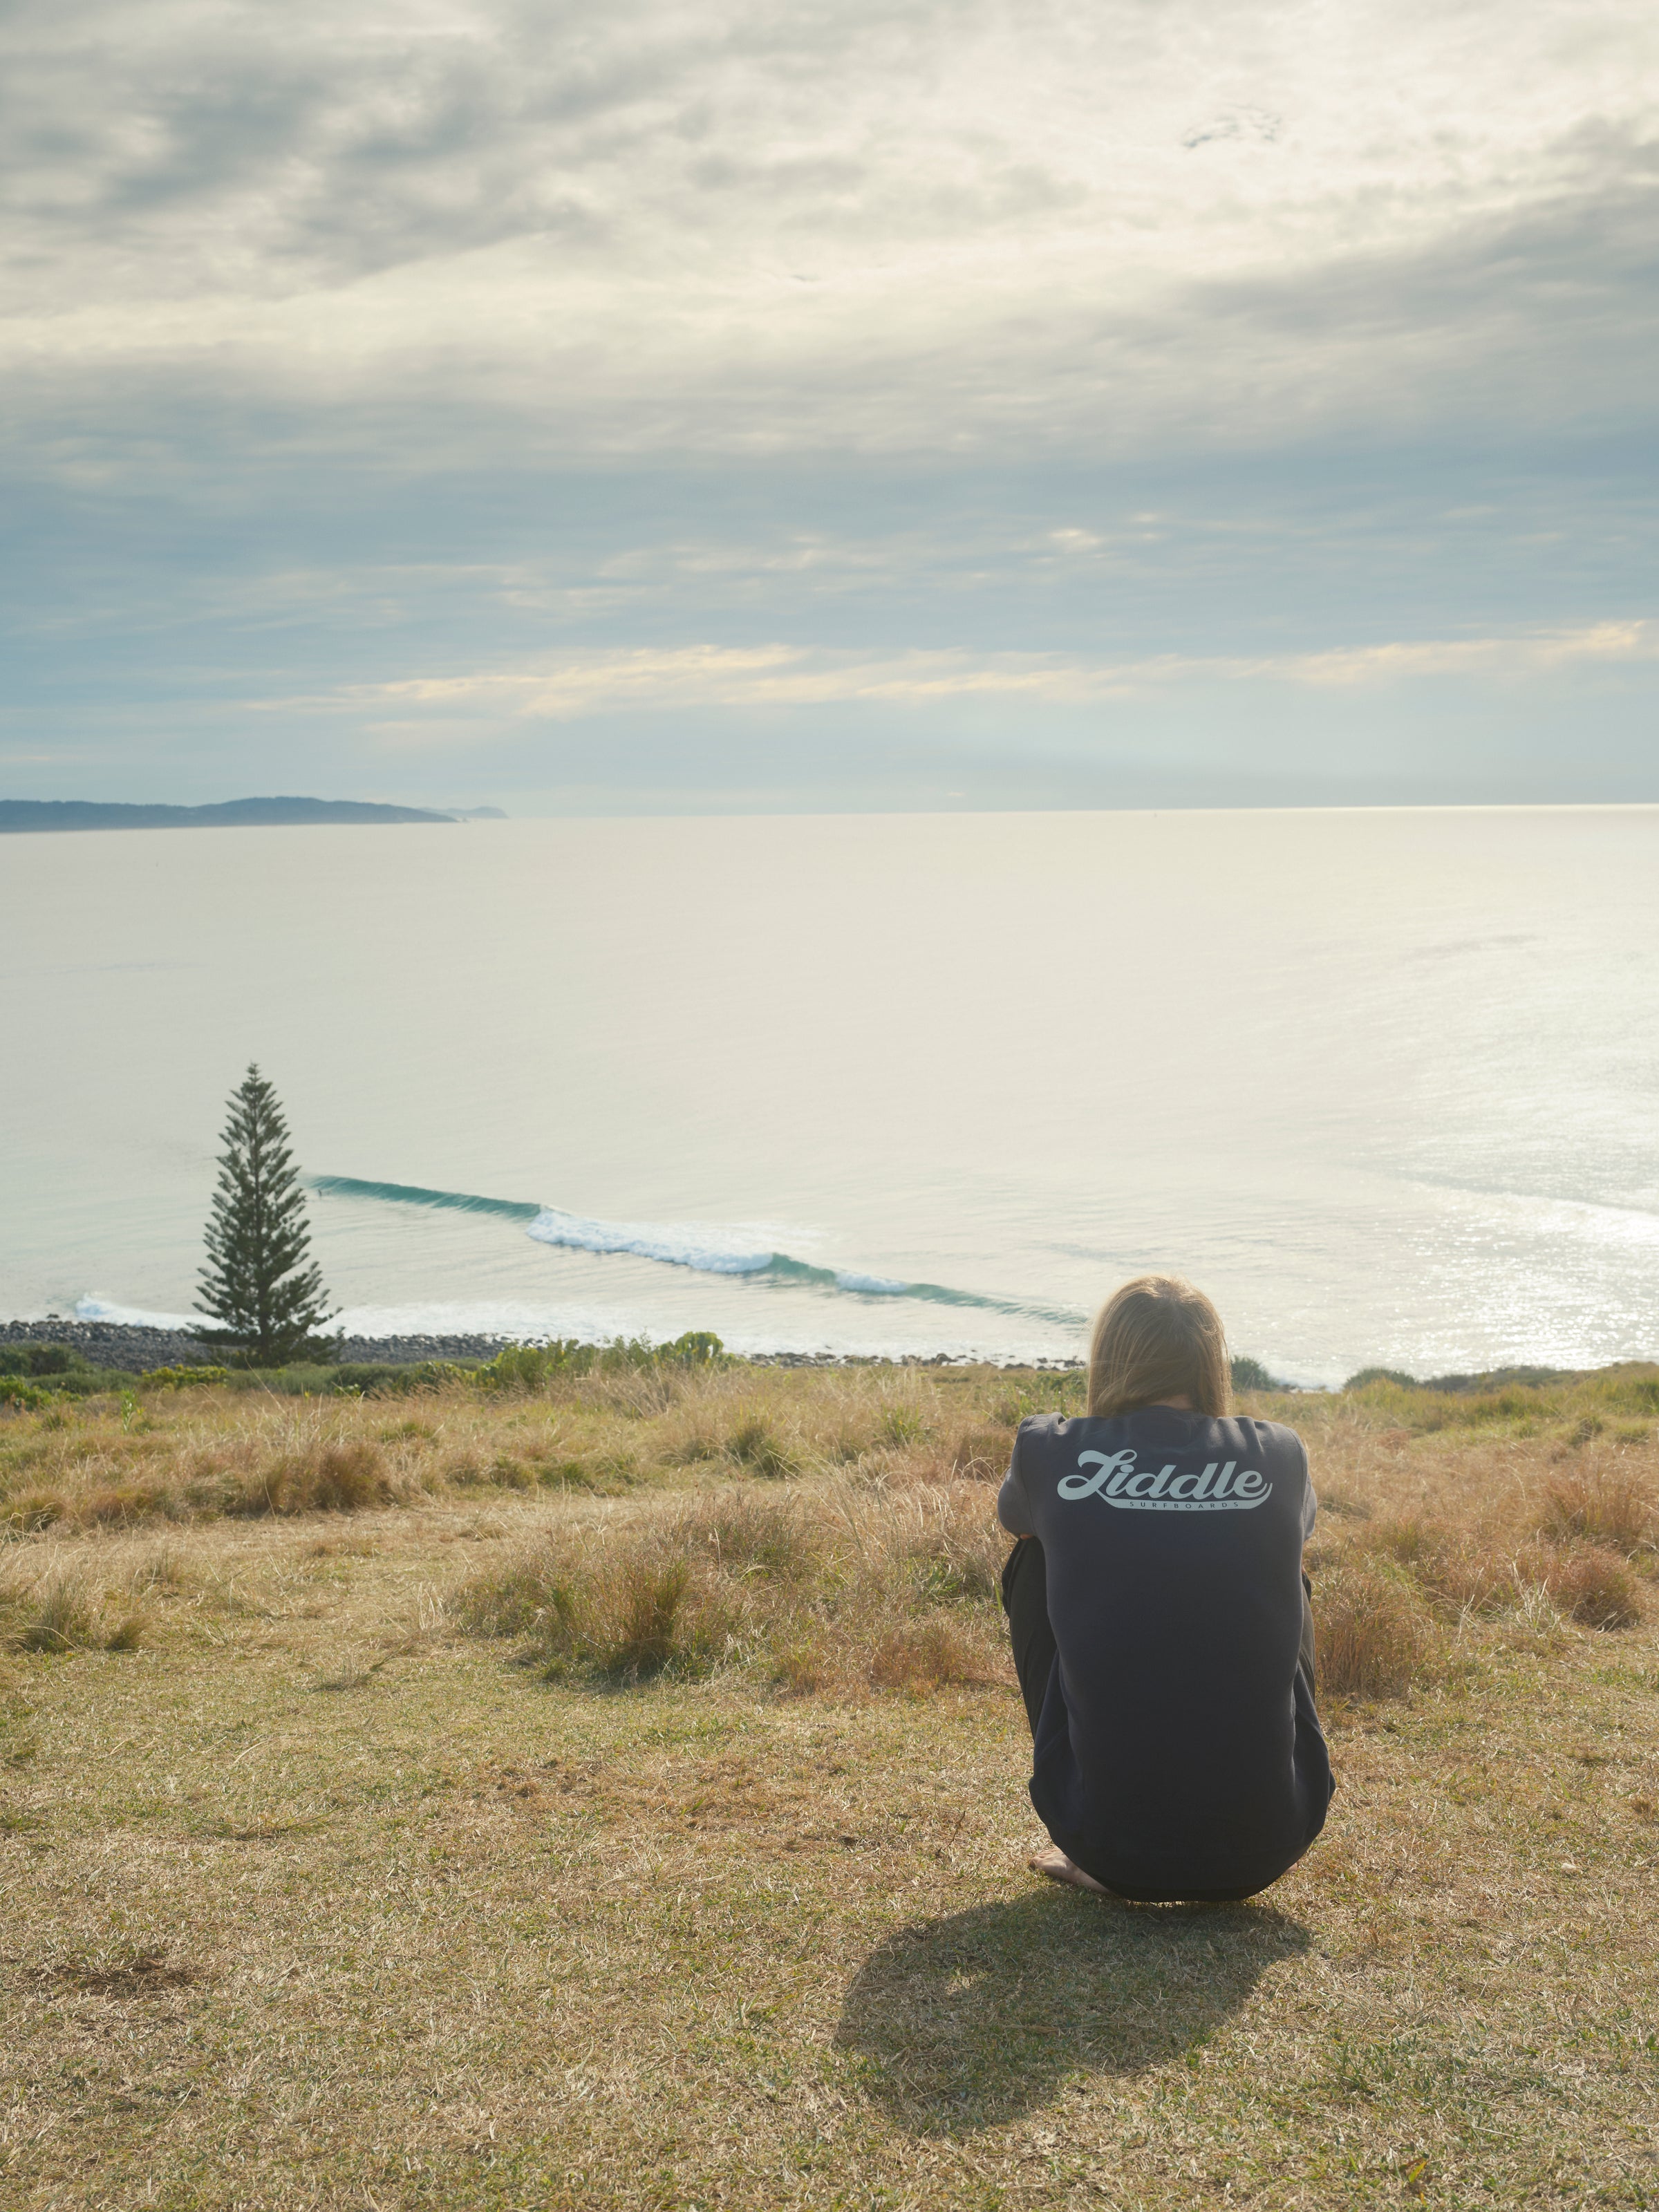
<point x="707" y="1248"/>
<point x="409" y="1193"/>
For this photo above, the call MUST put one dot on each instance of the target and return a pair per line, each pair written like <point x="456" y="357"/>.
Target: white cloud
<point x="437" y="371"/>
<point x="573" y="687"/>
<point x="761" y="227"/>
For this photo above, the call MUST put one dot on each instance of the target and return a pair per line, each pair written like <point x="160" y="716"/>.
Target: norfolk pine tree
<point x="255" y="1282"/>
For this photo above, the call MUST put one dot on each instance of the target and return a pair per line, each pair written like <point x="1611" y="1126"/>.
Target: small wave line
<point x="709" y="1251"/>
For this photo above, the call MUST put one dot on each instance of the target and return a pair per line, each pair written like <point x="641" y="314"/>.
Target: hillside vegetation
<point x="599" y="1782"/>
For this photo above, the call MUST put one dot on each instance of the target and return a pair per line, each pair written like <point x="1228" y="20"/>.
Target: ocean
<point x="1384" y="1082"/>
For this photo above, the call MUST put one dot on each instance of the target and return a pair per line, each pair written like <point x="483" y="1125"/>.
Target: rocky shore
<point x="120" y="1343"/>
<point x="117" y="1344"/>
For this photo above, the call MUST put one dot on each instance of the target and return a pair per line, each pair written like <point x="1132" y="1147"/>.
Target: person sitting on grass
<point x="1160" y="1619"/>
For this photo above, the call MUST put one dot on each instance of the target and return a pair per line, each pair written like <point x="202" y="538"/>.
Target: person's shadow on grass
<point x="977" y="2018"/>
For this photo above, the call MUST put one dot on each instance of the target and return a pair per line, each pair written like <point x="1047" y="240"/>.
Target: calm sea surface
<point x="1386" y="1083"/>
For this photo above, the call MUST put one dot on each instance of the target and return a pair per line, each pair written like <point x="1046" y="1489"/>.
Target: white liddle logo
<point x="1218" y="1490"/>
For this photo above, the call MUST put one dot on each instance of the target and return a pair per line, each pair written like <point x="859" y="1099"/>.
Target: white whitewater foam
<point x="94" y="1306"/>
<point x="717" y="1248"/>
<point x="709" y="1248"/>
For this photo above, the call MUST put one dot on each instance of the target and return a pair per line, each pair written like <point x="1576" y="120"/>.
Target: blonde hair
<point x="1159" y="1338"/>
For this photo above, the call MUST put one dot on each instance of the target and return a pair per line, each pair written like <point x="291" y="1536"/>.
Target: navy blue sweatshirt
<point x="1178" y="1748"/>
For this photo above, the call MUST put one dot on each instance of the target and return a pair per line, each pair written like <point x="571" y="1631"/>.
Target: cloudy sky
<point x="1083" y="401"/>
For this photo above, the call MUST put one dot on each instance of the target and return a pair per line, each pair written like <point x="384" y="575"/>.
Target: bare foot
<point x="1056" y="1867"/>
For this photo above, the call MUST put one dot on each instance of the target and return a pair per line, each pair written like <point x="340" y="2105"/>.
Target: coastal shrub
<point x="33" y="1360"/>
<point x="1373" y="1634"/>
<point x="1249" y="1374"/>
<point x="298" y="1380"/>
<point x="1522" y="1399"/>
<point x="358" y="1378"/>
<point x="348" y="1378"/>
<point x="32" y="1377"/>
<point x="531" y="1367"/>
<point x="698" y="1348"/>
<point x="180" y="1378"/>
<point x="521" y="1367"/>
<point x="20" y="1397"/>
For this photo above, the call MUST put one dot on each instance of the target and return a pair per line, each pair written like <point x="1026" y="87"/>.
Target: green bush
<point x="533" y="1366"/>
<point x="29" y="1371"/>
<point x="36" y="1359"/>
<point x="1250" y="1375"/>
<point x="698" y="1348"/>
<point x="382" y="1379"/>
<point x="359" y="1378"/>
<point x="25" y="1397"/>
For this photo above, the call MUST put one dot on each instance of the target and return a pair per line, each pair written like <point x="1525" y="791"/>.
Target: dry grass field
<point x="611" y="1794"/>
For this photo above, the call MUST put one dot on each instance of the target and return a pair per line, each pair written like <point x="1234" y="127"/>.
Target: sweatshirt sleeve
<point x="1013" y="1509"/>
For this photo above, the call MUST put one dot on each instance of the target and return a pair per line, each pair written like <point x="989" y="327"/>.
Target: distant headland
<point x="25" y="814"/>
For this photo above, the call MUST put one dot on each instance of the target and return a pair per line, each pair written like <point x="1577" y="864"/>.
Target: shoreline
<point x="134" y="1348"/>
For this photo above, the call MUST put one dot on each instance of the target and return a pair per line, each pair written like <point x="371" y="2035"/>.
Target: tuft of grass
<point x="323" y="1475"/>
<point x="776" y="1538"/>
<point x="929" y="1654"/>
<point x="1465" y="1572"/>
<point x="57" y="1616"/>
<point x="1616" y="1510"/>
<point x="1374" y="1635"/>
<point x="645" y="1610"/>
<point x="805" y="1584"/>
<point x="34" y="1510"/>
<point x="696" y="1445"/>
<point x="1594" y="1586"/>
<point x="62" y="1611"/>
<point x="756" y="1444"/>
<point x="653" y="1620"/>
<point x="1452" y="1565"/>
<point x="901" y="1426"/>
